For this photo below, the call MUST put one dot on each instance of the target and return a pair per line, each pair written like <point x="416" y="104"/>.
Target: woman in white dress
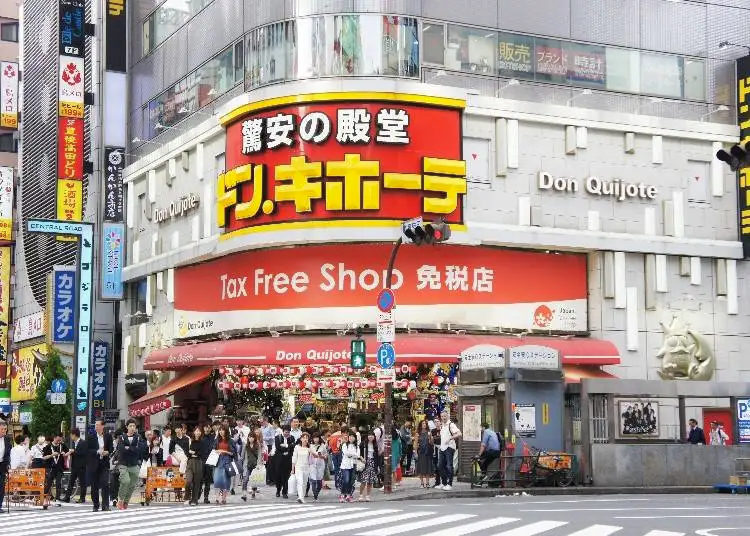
<point x="301" y="465"/>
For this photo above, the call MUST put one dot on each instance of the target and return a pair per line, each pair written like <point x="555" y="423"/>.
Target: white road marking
<point x="664" y="533"/>
<point x="475" y="526"/>
<point x="315" y="522"/>
<point x="702" y="516"/>
<point x="710" y="532"/>
<point x="533" y="529"/>
<point x="637" y="509"/>
<point x="417" y="525"/>
<point x="597" y="530"/>
<point x="372" y="521"/>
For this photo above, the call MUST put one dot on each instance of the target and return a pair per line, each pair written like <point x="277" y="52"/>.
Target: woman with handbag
<point x="255" y="452"/>
<point x="154" y="457"/>
<point x="369" y="463"/>
<point x="197" y="453"/>
<point x="224" y="470"/>
<point x="318" y="465"/>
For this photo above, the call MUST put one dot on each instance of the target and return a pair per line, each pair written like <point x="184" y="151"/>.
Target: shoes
<point x="120" y="505"/>
<point x="341" y="498"/>
<point x="105" y="509"/>
<point x="253" y="496"/>
<point x="79" y="501"/>
<point x="350" y="499"/>
<point x="278" y="494"/>
<point x="301" y="500"/>
<point x="206" y="501"/>
<point x="244" y="497"/>
<point x="187" y="503"/>
<point x="66" y="499"/>
<point x="437" y="485"/>
<point x="285" y="496"/>
<point x="447" y="487"/>
<point x="367" y="499"/>
<point x="231" y="491"/>
<point x="95" y="509"/>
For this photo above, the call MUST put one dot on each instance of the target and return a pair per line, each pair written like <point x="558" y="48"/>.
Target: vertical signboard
<point x="72" y="28"/>
<point x="9" y="92"/>
<point x="63" y="305"/>
<point x="99" y="378"/>
<point x="743" y="176"/>
<point x="115" y="37"/>
<point x="6" y="203"/>
<point x="114" y="162"/>
<point x="6" y="259"/>
<point x="112" y="261"/>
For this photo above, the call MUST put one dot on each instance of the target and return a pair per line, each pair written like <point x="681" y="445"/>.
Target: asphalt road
<point x="629" y="515"/>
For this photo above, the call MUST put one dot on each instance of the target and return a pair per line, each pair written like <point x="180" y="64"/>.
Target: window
<point x="216" y="77"/>
<point x="471" y="50"/>
<point x="661" y="75"/>
<point x="623" y="70"/>
<point x="269" y="54"/>
<point x="587" y="65"/>
<point x="515" y="56"/>
<point x="400" y="46"/>
<point x="695" y="79"/>
<point x="138" y="297"/>
<point x="8" y="143"/>
<point x="433" y="43"/>
<point x="9" y="31"/>
<point x="551" y="61"/>
<point x="167" y="19"/>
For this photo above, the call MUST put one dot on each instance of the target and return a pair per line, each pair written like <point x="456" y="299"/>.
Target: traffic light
<point x="430" y="233"/>
<point x="359" y="353"/>
<point x="738" y="156"/>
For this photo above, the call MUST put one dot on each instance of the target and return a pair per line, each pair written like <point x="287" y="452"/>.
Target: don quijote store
<point x="253" y="307"/>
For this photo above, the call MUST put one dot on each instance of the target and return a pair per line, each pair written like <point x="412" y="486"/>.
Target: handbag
<point x="232" y="470"/>
<point x="360" y="465"/>
<point x="258" y="476"/>
<point x="143" y="471"/>
<point x="213" y="458"/>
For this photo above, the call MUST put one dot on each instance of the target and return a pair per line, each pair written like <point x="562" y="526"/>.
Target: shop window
<point x="400" y="46"/>
<point x="623" y="70"/>
<point x="216" y="77"/>
<point x="471" y="50"/>
<point x="586" y="64"/>
<point x="9" y="31"/>
<point x="8" y="143"/>
<point x="433" y="43"/>
<point x="550" y="61"/>
<point x="661" y="75"/>
<point x="269" y="54"/>
<point x="695" y="79"/>
<point x="515" y="56"/>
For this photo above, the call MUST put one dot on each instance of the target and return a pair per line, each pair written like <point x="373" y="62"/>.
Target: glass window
<point x="515" y="56"/>
<point x="587" y="65"/>
<point x="270" y="54"/>
<point x="8" y="144"/>
<point x="215" y="78"/>
<point x="239" y="61"/>
<point x="623" y="70"/>
<point x="167" y="19"/>
<point x="661" y="75"/>
<point x="138" y="302"/>
<point x="433" y="43"/>
<point x="550" y="60"/>
<point x="471" y="50"/>
<point x="695" y="79"/>
<point x="400" y="46"/>
<point x="9" y="31"/>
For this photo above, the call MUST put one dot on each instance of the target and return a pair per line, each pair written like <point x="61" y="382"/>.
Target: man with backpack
<point x="490" y="449"/>
<point x="449" y="433"/>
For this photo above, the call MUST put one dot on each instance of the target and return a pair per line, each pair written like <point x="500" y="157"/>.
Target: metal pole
<point x="388" y="392"/>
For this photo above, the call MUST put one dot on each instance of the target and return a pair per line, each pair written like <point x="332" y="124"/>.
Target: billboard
<point x="6" y="203"/>
<point x="99" y="378"/>
<point x="114" y="203"/>
<point x="69" y="148"/>
<point x="27" y="371"/>
<point x="72" y="25"/>
<point x="743" y="175"/>
<point x="9" y="92"/>
<point x="115" y="37"/>
<point x="113" y="261"/>
<point x="6" y="260"/>
<point x="70" y="84"/>
<point x="63" y="305"/>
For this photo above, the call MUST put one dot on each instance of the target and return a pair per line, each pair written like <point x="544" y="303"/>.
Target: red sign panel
<point x="70" y="148"/>
<point x="335" y="284"/>
<point x="353" y="160"/>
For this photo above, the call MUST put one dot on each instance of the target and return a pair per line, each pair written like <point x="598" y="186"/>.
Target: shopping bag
<point x="292" y="484"/>
<point x="143" y="471"/>
<point x="213" y="458"/>
<point x="258" y="476"/>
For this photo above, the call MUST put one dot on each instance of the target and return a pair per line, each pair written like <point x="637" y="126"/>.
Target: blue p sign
<point x="743" y="410"/>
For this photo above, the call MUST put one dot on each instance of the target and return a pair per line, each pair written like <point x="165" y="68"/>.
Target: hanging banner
<point x="99" y="378"/>
<point x="6" y="259"/>
<point x="115" y="36"/>
<point x="113" y="259"/>
<point x="9" y="92"/>
<point x="114" y="160"/>
<point x="72" y="38"/>
<point x="70" y="85"/>
<point x="743" y="175"/>
<point x="70" y="148"/>
<point x="63" y="305"/>
<point x="6" y="203"/>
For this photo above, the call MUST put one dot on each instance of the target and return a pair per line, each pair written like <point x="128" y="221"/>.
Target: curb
<point x="572" y="490"/>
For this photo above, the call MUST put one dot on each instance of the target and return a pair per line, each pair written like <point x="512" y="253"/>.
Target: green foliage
<point x="48" y="418"/>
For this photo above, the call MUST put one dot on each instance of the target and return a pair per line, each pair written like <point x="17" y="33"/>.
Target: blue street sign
<point x="59" y="386"/>
<point x="386" y="355"/>
<point x="386" y="300"/>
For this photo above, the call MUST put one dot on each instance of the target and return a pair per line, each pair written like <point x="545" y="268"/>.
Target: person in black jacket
<point x="131" y="450"/>
<point x="209" y="437"/>
<point x="77" y="455"/>
<point x="54" y="455"/>
<point x="197" y="452"/>
<point x="5" y="446"/>
<point x="99" y="447"/>
<point x="282" y="459"/>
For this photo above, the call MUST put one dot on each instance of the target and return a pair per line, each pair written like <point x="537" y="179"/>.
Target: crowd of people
<point x="242" y="456"/>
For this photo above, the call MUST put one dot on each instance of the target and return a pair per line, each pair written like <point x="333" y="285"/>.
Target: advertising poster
<point x="72" y="25"/>
<point x="114" y="160"/>
<point x="525" y="420"/>
<point x="551" y="59"/>
<point x="8" y="94"/>
<point x="99" y="378"/>
<point x="587" y="65"/>
<point x="472" y="422"/>
<point x="515" y="55"/>
<point x="63" y="305"/>
<point x="743" y="420"/>
<point x="113" y="259"/>
<point x="638" y="418"/>
<point x="27" y="371"/>
<point x="743" y="175"/>
<point x="28" y="327"/>
<point x="69" y="200"/>
<point x="6" y="259"/>
<point x="6" y="203"/>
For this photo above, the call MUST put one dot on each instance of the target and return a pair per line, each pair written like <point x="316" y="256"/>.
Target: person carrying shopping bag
<point x="197" y="453"/>
<point x="301" y="465"/>
<point x="255" y="453"/>
<point x="224" y="469"/>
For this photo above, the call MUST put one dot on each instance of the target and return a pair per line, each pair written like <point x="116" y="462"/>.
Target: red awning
<point x="328" y="349"/>
<point x="576" y="373"/>
<point x="156" y="400"/>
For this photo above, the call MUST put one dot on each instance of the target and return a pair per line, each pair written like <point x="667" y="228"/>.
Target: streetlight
<point x="727" y="44"/>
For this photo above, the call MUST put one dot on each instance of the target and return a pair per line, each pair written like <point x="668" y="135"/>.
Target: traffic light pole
<point x="388" y="393"/>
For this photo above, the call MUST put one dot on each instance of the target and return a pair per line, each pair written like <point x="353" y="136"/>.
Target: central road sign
<point x="386" y="355"/>
<point x="386" y="300"/>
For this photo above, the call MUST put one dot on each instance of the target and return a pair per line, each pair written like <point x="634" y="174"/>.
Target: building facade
<point x="271" y="169"/>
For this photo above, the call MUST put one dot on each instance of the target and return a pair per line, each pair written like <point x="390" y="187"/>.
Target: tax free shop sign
<point x="338" y="284"/>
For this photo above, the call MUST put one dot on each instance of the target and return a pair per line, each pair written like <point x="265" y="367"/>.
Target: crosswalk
<point x="293" y="520"/>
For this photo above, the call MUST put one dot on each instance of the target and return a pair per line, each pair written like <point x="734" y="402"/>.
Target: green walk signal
<point x="358" y="354"/>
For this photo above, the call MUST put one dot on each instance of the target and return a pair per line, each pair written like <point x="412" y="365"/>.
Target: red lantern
<point x="222" y="370"/>
<point x="259" y="371"/>
<point x="245" y="371"/>
<point x="405" y="369"/>
<point x="266" y="385"/>
<point x="349" y="384"/>
<point x="251" y="371"/>
<point x="252" y="385"/>
<point x="341" y="384"/>
<point x="412" y="369"/>
<point x="315" y="384"/>
<point x="436" y="380"/>
<point x="273" y="384"/>
<point x="329" y="383"/>
<point x="244" y="381"/>
<point x="357" y="385"/>
<point x="272" y="370"/>
<point x="371" y="384"/>
<point x="237" y="386"/>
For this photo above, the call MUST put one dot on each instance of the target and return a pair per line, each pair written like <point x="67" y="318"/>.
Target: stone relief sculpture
<point x="685" y="354"/>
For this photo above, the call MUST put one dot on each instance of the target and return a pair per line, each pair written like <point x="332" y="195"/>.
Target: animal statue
<point x="685" y="354"/>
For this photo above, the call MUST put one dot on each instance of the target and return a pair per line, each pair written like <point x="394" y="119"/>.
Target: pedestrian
<point x="368" y="453"/>
<point x="54" y="456"/>
<point x="282" y="455"/>
<point x="20" y="456"/>
<point x="77" y="457"/>
<point x="222" y="477"/>
<point x="209" y="437"/>
<point x="407" y="447"/>
<point x="425" y="450"/>
<point x="268" y="432"/>
<point x="696" y="436"/>
<point x="5" y="448"/>
<point x="449" y="433"/>
<point x="318" y="465"/>
<point x="350" y="455"/>
<point x="301" y="465"/>
<point x="197" y="454"/>
<point x="489" y="449"/>
<point x="37" y="453"/>
<point x="717" y="434"/>
<point x="131" y="450"/>
<point x="255" y="452"/>
<point x="99" y="447"/>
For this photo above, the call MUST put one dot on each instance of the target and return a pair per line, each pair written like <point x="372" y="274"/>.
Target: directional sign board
<point x="57" y="399"/>
<point x="386" y="300"/>
<point x="58" y="386"/>
<point x="386" y="375"/>
<point x="386" y="327"/>
<point x="386" y="355"/>
<point x="85" y="281"/>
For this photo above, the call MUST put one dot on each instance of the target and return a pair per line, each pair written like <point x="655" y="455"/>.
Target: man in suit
<point x="5" y="447"/>
<point x="77" y="454"/>
<point x="99" y="447"/>
<point x="54" y="455"/>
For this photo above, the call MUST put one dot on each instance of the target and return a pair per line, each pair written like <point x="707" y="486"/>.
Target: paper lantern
<point x="237" y="386"/>
<point x="252" y="385"/>
<point x="372" y="384"/>
<point x="308" y="384"/>
<point x="357" y="385"/>
<point x="266" y="385"/>
<point x="329" y="383"/>
<point x="245" y="371"/>
<point x="404" y="369"/>
<point x="273" y="384"/>
<point x="315" y="384"/>
<point x="222" y="370"/>
<point x="244" y="381"/>
<point x="272" y="371"/>
<point x="341" y="384"/>
<point x="436" y="380"/>
<point x="412" y="384"/>
<point x="412" y="369"/>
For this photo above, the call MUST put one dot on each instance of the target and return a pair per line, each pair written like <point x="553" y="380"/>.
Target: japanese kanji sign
<point x="8" y="94"/>
<point x="99" y="377"/>
<point x="112" y="261"/>
<point x="587" y="65"/>
<point x="6" y="259"/>
<point x="64" y="293"/>
<point x="6" y="203"/>
<point x="70" y="149"/>
<point x="70" y="87"/>
<point x="69" y="202"/>
<point x="371" y="157"/>
<point x="72" y="21"/>
<point x="114" y="162"/>
<point x="27" y="371"/>
<point x="743" y="175"/>
<point x="330" y="284"/>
